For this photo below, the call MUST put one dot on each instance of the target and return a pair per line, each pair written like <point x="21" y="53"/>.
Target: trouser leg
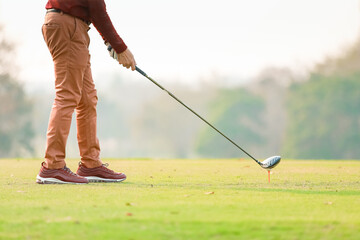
<point x="66" y="99"/>
<point x="86" y="118"/>
<point x="68" y="42"/>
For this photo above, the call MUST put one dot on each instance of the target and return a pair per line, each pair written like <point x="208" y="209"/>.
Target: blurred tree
<point x="272" y="85"/>
<point x="324" y="113"/>
<point x="239" y="115"/>
<point x="16" y="130"/>
<point x="342" y="65"/>
<point x="324" y="118"/>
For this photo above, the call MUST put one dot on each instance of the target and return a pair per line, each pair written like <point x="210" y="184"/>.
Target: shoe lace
<point x="69" y="171"/>
<point x="105" y="166"/>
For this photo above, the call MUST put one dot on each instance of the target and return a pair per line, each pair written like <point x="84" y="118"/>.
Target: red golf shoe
<point x="61" y="176"/>
<point x="100" y="174"/>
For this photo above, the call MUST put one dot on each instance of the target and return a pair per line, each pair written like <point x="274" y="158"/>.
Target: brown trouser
<point x="68" y="42"/>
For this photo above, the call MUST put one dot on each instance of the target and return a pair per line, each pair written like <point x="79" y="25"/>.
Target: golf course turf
<point x="185" y="199"/>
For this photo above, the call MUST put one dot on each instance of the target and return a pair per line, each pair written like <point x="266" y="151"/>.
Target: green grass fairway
<point x="186" y="199"/>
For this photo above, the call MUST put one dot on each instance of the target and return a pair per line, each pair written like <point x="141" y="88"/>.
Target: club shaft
<point x="174" y="97"/>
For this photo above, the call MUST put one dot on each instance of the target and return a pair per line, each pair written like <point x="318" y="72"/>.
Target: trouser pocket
<point x="53" y="37"/>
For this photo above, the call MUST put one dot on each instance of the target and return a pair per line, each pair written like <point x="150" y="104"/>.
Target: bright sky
<point x="191" y="39"/>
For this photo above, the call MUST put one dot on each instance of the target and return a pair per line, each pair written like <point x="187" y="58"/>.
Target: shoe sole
<point x="41" y="180"/>
<point x="99" y="179"/>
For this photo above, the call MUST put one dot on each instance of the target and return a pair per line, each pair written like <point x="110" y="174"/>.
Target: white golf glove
<point x="112" y="52"/>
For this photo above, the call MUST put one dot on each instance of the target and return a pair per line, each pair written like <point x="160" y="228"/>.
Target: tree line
<point x="313" y="117"/>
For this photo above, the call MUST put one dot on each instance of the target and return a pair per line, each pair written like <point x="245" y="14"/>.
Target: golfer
<point x="65" y="33"/>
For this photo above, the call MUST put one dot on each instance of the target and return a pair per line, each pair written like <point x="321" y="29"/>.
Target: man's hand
<point x="127" y="59"/>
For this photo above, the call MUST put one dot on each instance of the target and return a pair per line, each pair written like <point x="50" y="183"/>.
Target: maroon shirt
<point x="93" y="11"/>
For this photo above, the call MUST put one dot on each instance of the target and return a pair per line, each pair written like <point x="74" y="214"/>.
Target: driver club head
<point x="270" y="162"/>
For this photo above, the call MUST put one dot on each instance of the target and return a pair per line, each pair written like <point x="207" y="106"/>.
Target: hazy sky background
<point x="189" y="40"/>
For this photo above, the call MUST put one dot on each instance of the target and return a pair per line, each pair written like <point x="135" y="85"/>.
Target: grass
<point x="186" y="199"/>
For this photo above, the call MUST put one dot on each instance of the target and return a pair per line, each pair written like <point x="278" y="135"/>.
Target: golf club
<point x="267" y="164"/>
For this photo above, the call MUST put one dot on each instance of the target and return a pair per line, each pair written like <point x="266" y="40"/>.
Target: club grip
<point x="140" y="71"/>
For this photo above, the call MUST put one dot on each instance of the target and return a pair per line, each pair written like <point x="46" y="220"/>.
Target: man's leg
<point x="91" y="167"/>
<point x="86" y="122"/>
<point x="68" y="47"/>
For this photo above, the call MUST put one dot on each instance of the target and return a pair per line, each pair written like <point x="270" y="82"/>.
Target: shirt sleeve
<point x="101" y="20"/>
